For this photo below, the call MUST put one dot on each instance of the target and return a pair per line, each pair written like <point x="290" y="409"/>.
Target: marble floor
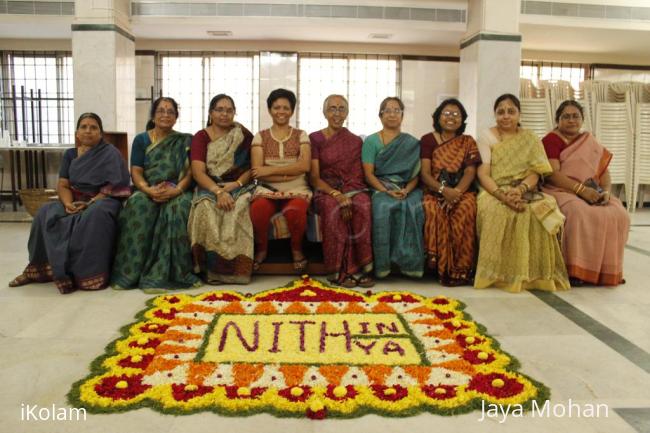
<point x="589" y="345"/>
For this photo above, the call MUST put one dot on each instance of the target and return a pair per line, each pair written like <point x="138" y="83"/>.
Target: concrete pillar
<point x="490" y="59"/>
<point x="103" y="55"/>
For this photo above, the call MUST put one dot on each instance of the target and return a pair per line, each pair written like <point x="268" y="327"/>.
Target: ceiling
<point x="605" y="42"/>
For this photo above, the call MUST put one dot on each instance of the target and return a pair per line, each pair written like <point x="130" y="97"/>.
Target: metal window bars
<point x="36" y="93"/>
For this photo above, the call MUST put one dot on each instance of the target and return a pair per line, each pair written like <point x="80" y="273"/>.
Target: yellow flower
<point x="340" y="391"/>
<point x="122" y="384"/>
<point x="297" y="391"/>
<point x="244" y="391"/>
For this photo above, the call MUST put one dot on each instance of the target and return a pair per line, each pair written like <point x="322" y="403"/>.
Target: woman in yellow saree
<point x="517" y="226"/>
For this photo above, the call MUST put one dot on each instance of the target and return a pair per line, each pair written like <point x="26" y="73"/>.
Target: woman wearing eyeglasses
<point x="449" y="160"/>
<point x="517" y="225"/>
<point x="597" y="225"/>
<point x="391" y="163"/>
<point x="219" y="226"/>
<point x="153" y="251"/>
<point x="341" y="198"/>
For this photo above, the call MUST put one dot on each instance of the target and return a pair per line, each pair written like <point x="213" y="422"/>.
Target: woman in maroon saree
<point x="341" y="198"/>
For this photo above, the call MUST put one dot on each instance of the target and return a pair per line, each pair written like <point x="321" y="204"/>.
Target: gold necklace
<point x="285" y="138"/>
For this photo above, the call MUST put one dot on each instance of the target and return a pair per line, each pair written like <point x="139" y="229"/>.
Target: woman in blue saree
<point x="153" y="251"/>
<point x="391" y="164"/>
<point x="71" y="240"/>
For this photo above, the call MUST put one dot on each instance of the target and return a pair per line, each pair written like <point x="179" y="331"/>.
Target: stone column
<point x="103" y="56"/>
<point x="490" y="59"/>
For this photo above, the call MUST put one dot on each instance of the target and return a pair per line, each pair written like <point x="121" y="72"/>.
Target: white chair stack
<point x="536" y="115"/>
<point x="614" y="131"/>
<point x="641" y="152"/>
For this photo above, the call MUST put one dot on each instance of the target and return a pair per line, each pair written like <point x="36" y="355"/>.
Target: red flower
<point x="440" y="301"/>
<point x="142" y="364"/>
<point x="384" y="392"/>
<point x="472" y="356"/>
<point x="484" y="383"/>
<point x="232" y="392"/>
<point x="172" y="300"/>
<point x="321" y="414"/>
<point x="166" y="315"/>
<point x="451" y="327"/>
<point x="154" y="328"/>
<point x="181" y="394"/>
<point x="113" y="387"/>
<point x="321" y="295"/>
<point x="351" y="392"/>
<point x="443" y="316"/>
<point x="430" y="391"/>
<point x="223" y="297"/>
<point x="151" y="343"/>
<point x="460" y="339"/>
<point x="398" y="298"/>
<point x="306" y="393"/>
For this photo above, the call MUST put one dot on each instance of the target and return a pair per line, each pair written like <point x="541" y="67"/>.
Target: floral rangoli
<point x="304" y="350"/>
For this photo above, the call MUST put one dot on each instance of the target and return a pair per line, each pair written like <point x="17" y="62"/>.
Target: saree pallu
<point x="594" y="236"/>
<point x="397" y="224"/>
<point x="76" y="250"/>
<point x="516" y="251"/>
<point x="222" y="241"/>
<point x="153" y="250"/>
<point x="347" y="245"/>
<point x="449" y="230"/>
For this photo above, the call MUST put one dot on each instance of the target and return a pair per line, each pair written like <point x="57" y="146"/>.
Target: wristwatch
<point x="442" y="187"/>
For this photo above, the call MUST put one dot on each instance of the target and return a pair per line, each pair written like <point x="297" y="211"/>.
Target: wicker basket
<point x="34" y="198"/>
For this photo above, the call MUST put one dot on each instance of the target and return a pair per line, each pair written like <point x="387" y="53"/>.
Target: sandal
<point x="300" y="265"/>
<point x="20" y="280"/>
<point x="366" y="281"/>
<point x="257" y="261"/>
<point x="348" y="282"/>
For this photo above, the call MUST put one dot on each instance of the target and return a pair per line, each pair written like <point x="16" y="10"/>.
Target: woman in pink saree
<point x="596" y="227"/>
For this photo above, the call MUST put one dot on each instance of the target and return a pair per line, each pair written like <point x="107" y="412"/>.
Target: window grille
<point x="365" y="80"/>
<point x="36" y="90"/>
<point x="193" y="78"/>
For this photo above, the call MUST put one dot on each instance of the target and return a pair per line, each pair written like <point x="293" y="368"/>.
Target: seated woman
<point x="517" y="225"/>
<point x="449" y="161"/>
<point x="153" y="251"/>
<point x="219" y="226"/>
<point x="391" y="165"/>
<point x="597" y="225"/>
<point x="280" y="157"/>
<point x="71" y="240"/>
<point x="341" y="198"/>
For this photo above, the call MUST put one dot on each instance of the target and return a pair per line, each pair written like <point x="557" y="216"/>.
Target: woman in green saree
<point x="153" y="250"/>
<point x="391" y="164"/>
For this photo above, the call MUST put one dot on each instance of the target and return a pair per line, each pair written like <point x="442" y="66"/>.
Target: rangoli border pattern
<point x="156" y="362"/>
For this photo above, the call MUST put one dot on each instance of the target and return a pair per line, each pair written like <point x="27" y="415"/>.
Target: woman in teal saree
<point x="153" y="250"/>
<point x="391" y="164"/>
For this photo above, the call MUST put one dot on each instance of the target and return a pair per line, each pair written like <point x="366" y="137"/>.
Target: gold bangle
<point x="335" y="193"/>
<point x="239" y="183"/>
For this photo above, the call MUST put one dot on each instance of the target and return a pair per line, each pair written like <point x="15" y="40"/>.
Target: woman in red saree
<point x="341" y="198"/>
<point x="449" y="160"/>
<point x="597" y="225"/>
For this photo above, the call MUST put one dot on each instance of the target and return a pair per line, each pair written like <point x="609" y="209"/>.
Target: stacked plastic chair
<point x="536" y="115"/>
<point x="641" y="152"/>
<point x="614" y="131"/>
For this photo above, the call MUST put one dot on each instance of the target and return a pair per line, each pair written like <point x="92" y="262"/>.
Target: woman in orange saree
<point x="597" y="225"/>
<point x="449" y="159"/>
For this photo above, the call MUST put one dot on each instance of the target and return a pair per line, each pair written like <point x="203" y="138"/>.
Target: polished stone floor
<point x="589" y="345"/>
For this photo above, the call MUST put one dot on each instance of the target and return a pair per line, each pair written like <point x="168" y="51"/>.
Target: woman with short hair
<point x="341" y="198"/>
